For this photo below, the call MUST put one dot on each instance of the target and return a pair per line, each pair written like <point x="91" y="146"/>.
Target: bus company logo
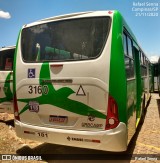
<point x="34" y="106"/>
<point x="77" y="139"/>
<point x="74" y="139"/>
<point x="83" y="140"/>
<point x="31" y="72"/>
<point x="91" y="118"/>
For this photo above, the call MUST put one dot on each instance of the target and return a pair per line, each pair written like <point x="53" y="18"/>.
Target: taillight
<point x="16" y="114"/>
<point x="112" y="120"/>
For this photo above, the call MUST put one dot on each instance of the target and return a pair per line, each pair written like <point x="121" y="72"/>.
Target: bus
<point x="6" y="79"/>
<point x="80" y="80"/>
<point x="155" y="76"/>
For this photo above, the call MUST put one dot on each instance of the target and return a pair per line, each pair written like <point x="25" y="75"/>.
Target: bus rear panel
<point x="61" y="76"/>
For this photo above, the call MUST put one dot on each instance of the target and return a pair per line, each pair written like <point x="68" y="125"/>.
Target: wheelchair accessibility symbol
<point x="31" y="73"/>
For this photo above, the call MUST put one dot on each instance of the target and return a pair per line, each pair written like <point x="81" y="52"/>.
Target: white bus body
<point x="61" y="100"/>
<point x="6" y="79"/>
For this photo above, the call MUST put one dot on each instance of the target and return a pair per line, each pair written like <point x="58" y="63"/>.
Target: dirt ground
<point x="9" y="142"/>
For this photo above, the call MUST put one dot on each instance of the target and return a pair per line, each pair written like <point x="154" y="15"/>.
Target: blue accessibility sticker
<point x="31" y="73"/>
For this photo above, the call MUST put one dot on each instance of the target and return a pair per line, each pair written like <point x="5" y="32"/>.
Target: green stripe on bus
<point x="117" y="88"/>
<point x="7" y="90"/>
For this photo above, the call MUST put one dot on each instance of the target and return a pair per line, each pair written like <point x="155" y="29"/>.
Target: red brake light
<point x="16" y="114"/>
<point x="112" y="120"/>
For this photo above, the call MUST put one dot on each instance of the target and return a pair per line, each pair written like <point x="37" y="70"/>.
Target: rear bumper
<point x="111" y="140"/>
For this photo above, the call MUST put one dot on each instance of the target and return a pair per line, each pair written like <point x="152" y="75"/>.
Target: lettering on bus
<point x="92" y="125"/>
<point x="42" y="134"/>
<point x="83" y="140"/>
<point x="38" y="89"/>
<point x="34" y="106"/>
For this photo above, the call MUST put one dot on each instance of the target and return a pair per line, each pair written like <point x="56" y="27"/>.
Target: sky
<point x="15" y="13"/>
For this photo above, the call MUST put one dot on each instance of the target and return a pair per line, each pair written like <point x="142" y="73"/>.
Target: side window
<point x="125" y="44"/>
<point x="129" y="47"/>
<point x="129" y="66"/>
<point x="8" y="65"/>
<point x="142" y="58"/>
<point x="6" y="59"/>
<point x="155" y="69"/>
<point x="150" y="72"/>
<point x="143" y="65"/>
<point x="128" y="52"/>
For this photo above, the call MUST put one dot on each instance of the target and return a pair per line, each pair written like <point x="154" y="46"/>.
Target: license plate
<point x="58" y="119"/>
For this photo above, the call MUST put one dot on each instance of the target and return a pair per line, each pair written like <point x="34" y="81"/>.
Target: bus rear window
<point x="77" y="39"/>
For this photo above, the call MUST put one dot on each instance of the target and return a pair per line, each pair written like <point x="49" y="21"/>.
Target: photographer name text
<point x="145" y="8"/>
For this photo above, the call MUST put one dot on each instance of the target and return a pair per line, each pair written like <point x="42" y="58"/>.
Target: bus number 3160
<point x="38" y="89"/>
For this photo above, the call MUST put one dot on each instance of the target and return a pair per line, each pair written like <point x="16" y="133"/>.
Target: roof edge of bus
<point x="64" y="16"/>
<point x="8" y="47"/>
<point x="73" y="14"/>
